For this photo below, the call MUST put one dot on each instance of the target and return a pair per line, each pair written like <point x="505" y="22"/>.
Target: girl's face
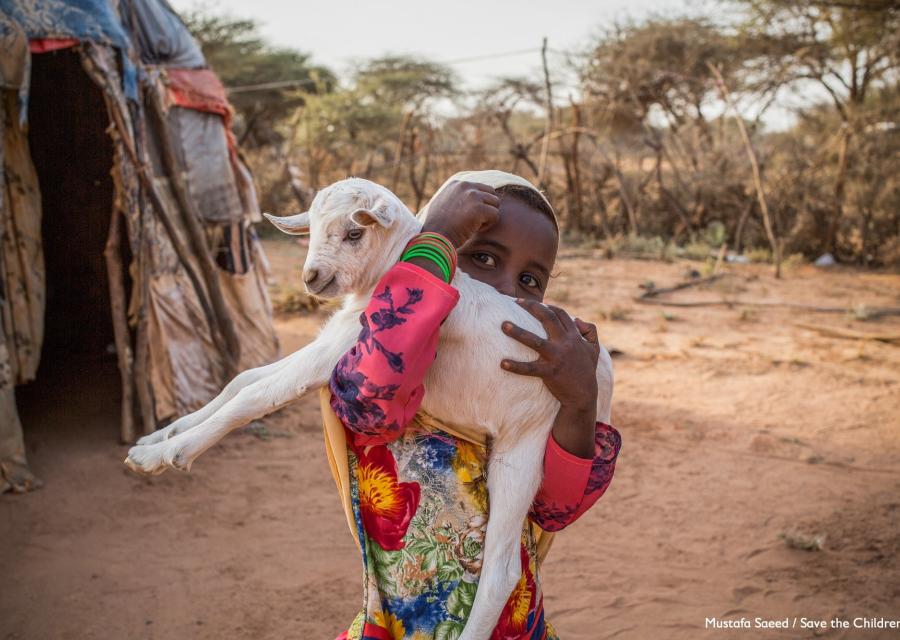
<point x="515" y="255"/>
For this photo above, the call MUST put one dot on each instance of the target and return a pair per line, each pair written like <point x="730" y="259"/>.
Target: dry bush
<point x="641" y="156"/>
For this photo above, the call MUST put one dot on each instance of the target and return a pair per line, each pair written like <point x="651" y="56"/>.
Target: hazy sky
<point x="336" y="32"/>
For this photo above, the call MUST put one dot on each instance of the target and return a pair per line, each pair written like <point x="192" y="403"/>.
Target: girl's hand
<point x="567" y="363"/>
<point x="461" y="210"/>
<point x="567" y="357"/>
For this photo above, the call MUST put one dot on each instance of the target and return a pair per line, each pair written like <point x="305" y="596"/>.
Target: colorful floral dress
<point x="418" y="492"/>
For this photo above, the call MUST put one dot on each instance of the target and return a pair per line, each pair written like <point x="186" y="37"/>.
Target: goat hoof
<point x="180" y="462"/>
<point x="146" y="460"/>
<point x="140" y="468"/>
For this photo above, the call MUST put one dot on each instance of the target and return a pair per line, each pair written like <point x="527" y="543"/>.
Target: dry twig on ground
<point x="837" y="332"/>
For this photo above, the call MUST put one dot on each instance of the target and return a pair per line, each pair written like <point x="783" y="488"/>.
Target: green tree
<point x="383" y="125"/>
<point x="847" y="48"/>
<point x="648" y="92"/>
<point x="267" y="83"/>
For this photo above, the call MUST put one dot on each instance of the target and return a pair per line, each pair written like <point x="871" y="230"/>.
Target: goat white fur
<point x="461" y="387"/>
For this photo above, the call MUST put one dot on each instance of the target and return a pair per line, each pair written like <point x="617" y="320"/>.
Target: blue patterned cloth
<point x="85" y="20"/>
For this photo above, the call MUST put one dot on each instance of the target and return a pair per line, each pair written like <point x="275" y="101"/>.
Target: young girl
<point x="414" y="490"/>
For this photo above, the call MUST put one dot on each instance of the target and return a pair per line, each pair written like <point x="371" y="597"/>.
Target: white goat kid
<point x="358" y="230"/>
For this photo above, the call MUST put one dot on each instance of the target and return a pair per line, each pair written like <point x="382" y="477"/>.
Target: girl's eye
<point x="354" y="234"/>
<point x="529" y="281"/>
<point x="484" y="258"/>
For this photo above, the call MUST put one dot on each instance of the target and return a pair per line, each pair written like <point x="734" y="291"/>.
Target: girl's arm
<point x="572" y="484"/>
<point x="376" y="387"/>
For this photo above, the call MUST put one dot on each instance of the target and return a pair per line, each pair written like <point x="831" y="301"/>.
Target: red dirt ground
<point x="742" y="431"/>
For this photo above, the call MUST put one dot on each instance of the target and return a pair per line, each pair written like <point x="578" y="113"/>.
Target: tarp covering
<point x="22" y="262"/>
<point x="203" y="147"/>
<point x="14" y="472"/>
<point x="13" y="53"/>
<point x="160" y="35"/>
<point x="184" y="370"/>
<point x="202" y="90"/>
<point x="46" y="45"/>
<point x="165" y="344"/>
<point x="248" y="292"/>
<point x="92" y="20"/>
<point x="84" y="20"/>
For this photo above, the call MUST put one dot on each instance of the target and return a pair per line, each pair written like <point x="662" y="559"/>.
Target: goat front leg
<point x="308" y="370"/>
<point x="248" y="397"/>
<point x="239" y="382"/>
<point x="179" y="452"/>
<point x="514" y="475"/>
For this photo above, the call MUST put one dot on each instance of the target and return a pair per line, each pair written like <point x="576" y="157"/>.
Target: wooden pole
<point x="548" y="124"/>
<point x="739" y="233"/>
<point x="142" y="364"/>
<point x="839" y="185"/>
<point x="577" y="209"/>
<point x="113" y="255"/>
<point x="626" y="199"/>
<point x="754" y="164"/>
<point x="142" y="380"/>
<point x="398" y="152"/>
<point x="191" y="220"/>
<point x="162" y="210"/>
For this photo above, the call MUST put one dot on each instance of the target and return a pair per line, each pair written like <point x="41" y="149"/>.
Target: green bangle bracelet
<point x="443" y="240"/>
<point x="431" y="249"/>
<point x="445" y="269"/>
<point x="437" y="240"/>
<point x="440" y="247"/>
<point x="431" y="254"/>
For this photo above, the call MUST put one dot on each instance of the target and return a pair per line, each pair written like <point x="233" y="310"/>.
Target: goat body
<point x="461" y="387"/>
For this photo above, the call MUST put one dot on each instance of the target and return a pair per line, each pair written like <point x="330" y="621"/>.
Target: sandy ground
<point x="744" y="437"/>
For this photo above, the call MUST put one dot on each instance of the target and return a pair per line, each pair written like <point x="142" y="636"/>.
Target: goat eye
<point x="354" y="234"/>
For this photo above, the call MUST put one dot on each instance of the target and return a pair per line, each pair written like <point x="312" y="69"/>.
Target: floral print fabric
<point x="423" y="539"/>
<point x="419" y="494"/>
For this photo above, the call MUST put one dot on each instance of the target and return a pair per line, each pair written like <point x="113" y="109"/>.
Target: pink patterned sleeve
<point x="571" y="484"/>
<point x="376" y="387"/>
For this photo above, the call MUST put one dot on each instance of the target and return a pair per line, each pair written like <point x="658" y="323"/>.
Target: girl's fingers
<point x="485" y="192"/>
<point x="547" y="317"/>
<point x="488" y="213"/>
<point x="534" y="368"/>
<point x="491" y="199"/>
<point x="587" y="330"/>
<point x="564" y="318"/>
<point x="527" y="338"/>
<point x="480" y="186"/>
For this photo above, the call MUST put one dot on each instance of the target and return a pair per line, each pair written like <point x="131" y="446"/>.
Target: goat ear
<point x="295" y="225"/>
<point x="375" y="215"/>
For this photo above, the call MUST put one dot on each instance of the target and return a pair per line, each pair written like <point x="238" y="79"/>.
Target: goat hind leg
<point x="179" y="452"/>
<point x="286" y="380"/>
<point x="307" y="369"/>
<point x="239" y="382"/>
<point x="513" y="479"/>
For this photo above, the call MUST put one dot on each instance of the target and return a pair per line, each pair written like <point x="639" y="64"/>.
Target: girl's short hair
<point x="531" y="198"/>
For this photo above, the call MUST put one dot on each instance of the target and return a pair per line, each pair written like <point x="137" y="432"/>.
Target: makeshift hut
<point x="125" y="222"/>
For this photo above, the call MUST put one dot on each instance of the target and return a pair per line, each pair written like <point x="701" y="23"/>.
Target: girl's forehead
<point x="524" y="231"/>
